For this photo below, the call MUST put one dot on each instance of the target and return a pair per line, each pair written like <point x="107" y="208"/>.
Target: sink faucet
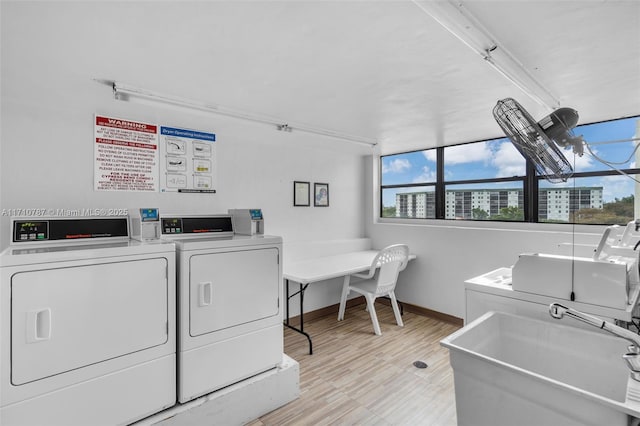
<point x="632" y="357"/>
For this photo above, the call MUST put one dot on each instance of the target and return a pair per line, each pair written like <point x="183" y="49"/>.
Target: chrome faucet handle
<point x="559" y="311"/>
<point x="633" y="362"/>
<point x="632" y="357"/>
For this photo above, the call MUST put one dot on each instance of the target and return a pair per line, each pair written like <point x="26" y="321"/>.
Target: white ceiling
<point x="383" y="70"/>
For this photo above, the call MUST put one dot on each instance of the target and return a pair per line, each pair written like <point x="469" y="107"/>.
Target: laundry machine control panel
<point x="30" y="231"/>
<point x="54" y="229"/>
<point x="197" y="225"/>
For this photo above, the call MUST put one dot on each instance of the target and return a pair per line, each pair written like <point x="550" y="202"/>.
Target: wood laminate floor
<point x="357" y="378"/>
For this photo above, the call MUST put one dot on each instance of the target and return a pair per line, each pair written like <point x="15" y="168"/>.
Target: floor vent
<point x="420" y="364"/>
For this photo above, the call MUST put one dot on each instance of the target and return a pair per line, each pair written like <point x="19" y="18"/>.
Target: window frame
<point x="530" y="184"/>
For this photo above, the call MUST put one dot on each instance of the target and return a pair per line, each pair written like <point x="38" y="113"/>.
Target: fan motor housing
<point x="557" y="124"/>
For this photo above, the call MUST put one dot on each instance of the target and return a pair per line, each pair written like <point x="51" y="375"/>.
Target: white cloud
<point x="509" y="161"/>
<point x="427" y="175"/>
<point x="468" y="153"/>
<point x="617" y="187"/>
<point x="396" y="166"/>
<point x="506" y="158"/>
<point x="430" y="155"/>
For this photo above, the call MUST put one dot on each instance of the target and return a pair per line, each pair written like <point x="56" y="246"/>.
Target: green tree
<point x="618" y="211"/>
<point x="389" y="211"/>
<point x="479" y="214"/>
<point x="620" y="207"/>
<point x="509" y="213"/>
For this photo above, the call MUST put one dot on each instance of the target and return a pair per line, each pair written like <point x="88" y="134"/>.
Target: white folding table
<point x="308" y="271"/>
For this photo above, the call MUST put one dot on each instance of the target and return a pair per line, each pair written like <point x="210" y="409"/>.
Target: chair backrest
<point x="390" y="261"/>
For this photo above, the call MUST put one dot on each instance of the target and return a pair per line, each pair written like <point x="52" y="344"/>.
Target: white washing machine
<point x="87" y="321"/>
<point x="229" y="309"/>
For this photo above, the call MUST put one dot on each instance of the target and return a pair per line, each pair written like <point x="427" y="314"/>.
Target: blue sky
<point x="499" y="158"/>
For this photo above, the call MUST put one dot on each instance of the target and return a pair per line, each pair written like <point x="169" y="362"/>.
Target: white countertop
<point x="498" y="282"/>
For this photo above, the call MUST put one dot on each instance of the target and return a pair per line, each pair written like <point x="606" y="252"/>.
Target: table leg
<point x="287" y="282"/>
<point x="301" y="329"/>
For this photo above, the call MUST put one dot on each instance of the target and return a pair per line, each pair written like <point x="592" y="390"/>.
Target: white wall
<point x="49" y="98"/>
<point x="50" y="54"/>
<point x="450" y="252"/>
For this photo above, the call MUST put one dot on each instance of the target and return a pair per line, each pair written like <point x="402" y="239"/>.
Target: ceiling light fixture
<point x="456" y="19"/>
<point x="125" y="92"/>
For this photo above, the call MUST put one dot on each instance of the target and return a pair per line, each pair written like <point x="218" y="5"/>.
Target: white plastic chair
<point x="387" y="263"/>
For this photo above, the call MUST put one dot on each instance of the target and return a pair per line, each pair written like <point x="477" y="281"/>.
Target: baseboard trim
<point x="326" y="311"/>
<point x="419" y="310"/>
<point x="414" y="309"/>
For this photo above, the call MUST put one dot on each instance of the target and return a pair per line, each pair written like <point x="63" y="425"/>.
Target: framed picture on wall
<point x="321" y="194"/>
<point x="301" y="194"/>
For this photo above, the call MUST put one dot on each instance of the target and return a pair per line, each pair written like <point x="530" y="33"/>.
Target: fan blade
<point x="531" y="141"/>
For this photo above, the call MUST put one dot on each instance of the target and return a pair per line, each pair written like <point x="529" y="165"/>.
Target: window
<point x="484" y="181"/>
<point x="488" y="180"/>
<point x="408" y="185"/>
<point x="605" y="180"/>
<point x="490" y="159"/>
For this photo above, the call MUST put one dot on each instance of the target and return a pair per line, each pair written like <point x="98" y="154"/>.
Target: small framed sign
<point x="321" y="194"/>
<point x="301" y="194"/>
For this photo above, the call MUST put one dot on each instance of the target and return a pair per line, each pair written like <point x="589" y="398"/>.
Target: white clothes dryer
<point x="229" y="310"/>
<point x="87" y="321"/>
